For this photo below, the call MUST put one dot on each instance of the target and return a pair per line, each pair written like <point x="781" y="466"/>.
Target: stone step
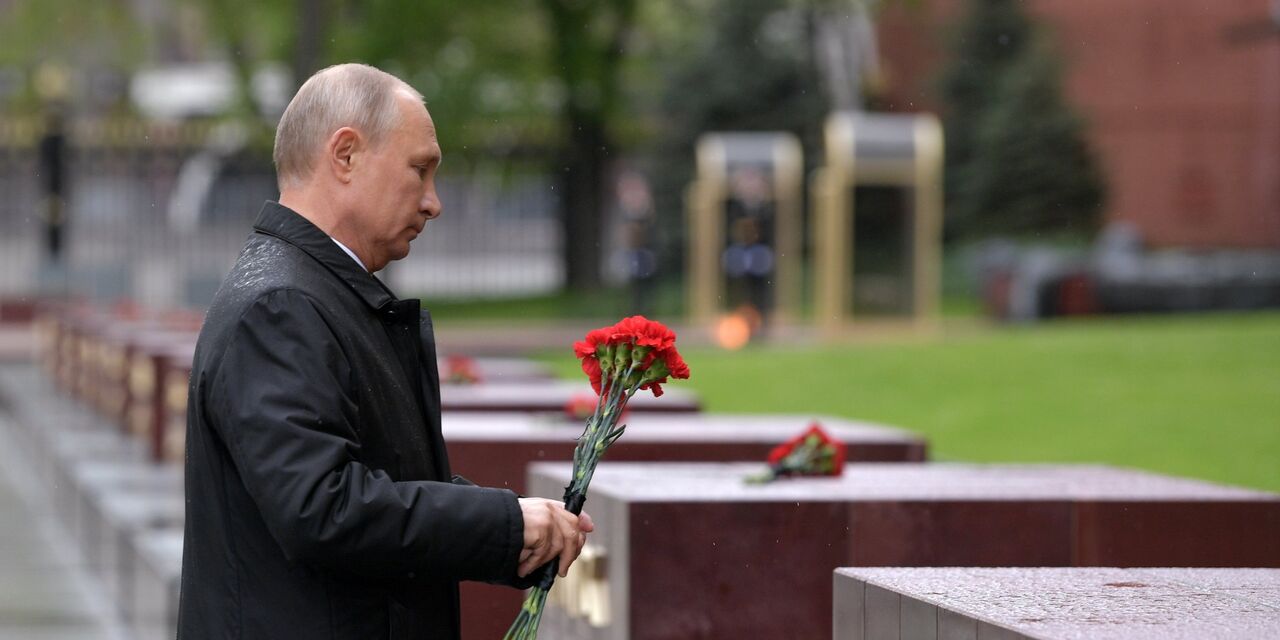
<point x="1056" y="604"/>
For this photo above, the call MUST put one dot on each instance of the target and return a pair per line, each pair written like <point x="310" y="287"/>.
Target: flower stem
<point x="617" y="386"/>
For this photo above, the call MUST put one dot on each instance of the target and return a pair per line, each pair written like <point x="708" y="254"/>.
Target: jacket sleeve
<point x="281" y="399"/>
<point x="511" y="579"/>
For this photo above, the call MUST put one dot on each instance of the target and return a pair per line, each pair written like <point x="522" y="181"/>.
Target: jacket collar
<point x="281" y="222"/>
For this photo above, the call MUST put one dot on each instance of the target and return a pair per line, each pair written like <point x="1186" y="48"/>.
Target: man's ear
<point x="341" y="151"/>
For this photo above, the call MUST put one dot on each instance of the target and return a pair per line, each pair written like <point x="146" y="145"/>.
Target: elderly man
<point x="320" y="503"/>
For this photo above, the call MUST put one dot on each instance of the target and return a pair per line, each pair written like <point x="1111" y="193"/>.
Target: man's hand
<point x="550" y="530"/>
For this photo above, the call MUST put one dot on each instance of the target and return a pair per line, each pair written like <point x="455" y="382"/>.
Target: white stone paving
<point x="45" y="590"/>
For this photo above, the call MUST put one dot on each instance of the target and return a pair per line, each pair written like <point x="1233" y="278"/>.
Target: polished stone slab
<point x="102" y="490"/>
<point x="494" y="449"/>
<point x="552" y="397"/>
<point x="45" y="590"/>
<point x="1056" y="603"/>
<point x="72" y="454"/>
<point x="152" y="607"/>
<point x="16" y="343"/>
<point x="491" y="369"/>
<point x="127" y="514"/>
<point x="692" y="551"/>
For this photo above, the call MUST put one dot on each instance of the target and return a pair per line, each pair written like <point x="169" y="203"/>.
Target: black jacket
<point x="319" y="496"/>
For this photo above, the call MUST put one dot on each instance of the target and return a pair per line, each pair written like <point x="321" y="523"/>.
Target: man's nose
<point x="430" y="205"/>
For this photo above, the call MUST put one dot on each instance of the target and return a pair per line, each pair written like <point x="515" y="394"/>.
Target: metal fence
<point x="158" y="214"/>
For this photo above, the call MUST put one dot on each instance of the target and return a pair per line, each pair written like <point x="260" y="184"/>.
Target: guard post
<point x="877" y="225"/>
<point x="744" y="209"/>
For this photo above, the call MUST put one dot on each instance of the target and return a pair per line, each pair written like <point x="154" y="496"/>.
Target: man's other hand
<point x="550" y="530"/>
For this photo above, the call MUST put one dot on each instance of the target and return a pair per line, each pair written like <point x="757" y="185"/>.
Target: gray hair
<point x="345" y="95"/>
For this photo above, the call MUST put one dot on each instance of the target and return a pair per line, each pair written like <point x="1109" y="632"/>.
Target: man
<point x="320" y="502"/>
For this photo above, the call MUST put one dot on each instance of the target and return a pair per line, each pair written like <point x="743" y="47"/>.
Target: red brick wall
<point x="1186" y="124"/>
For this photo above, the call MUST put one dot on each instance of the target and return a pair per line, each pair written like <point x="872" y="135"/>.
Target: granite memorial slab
<point x="1056" y="603"/>
<point x="125" y="515"/>
<point x="156" y="572"/>
<point x="551" y="397"/>
<point x="71" y="451"/>
<point x="80" y="345"/>
<point x="691" y="551"/>
<point x="459" y="369"/>
<point x="132" y="368"/>
<point x="161" y="373"/>
<point x="494" y="449"/>
<point x="18" y="309"/>
<point x="158" y="374"/>
<point x="96" y="484"/>
<point x="168" y="436"/>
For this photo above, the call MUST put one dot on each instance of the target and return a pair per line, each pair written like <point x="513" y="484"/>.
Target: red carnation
<point x="644" y="332"/>
<point x="636" y="353"/>
<point x="675" y="364"/>
<point x="580" y="407"/>
<point x="461" y="370"/>
<point x="636" y="332"/>
<point x="594" y="339"/>
<point x="812" y="453"/>
<point x="591" y="367"/>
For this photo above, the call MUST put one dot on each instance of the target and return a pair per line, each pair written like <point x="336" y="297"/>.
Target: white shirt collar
<point x="349" y="252"/>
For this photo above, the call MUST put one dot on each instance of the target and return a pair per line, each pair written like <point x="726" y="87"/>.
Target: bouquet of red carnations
<point x="634" y="355"/>
<point x="812" y="453"/>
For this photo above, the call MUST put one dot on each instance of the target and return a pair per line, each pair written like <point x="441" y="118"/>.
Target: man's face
<point x="397" y="186"/>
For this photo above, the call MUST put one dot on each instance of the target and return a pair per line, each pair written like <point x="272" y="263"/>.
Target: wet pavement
<point x="45" y="590"/>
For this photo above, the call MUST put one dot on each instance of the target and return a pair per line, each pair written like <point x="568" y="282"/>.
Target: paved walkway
<point x="45" y="593"/>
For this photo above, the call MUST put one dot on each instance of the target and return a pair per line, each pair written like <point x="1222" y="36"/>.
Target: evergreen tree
<point x="1031" y="170"/>
<point x="754" y="70"/>
<point x="990" y="37"/>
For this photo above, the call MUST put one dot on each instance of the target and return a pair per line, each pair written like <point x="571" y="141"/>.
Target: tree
<point x="486" y="75"/>
<point x="990" y="37"/>
<point x="76" y="38"/>
<point x="588" y="39"/>
<point x="752" y="70"/>
<point x="1032" y="170"/>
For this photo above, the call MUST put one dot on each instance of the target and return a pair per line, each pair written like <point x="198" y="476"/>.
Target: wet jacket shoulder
<point x="319" y="495"/>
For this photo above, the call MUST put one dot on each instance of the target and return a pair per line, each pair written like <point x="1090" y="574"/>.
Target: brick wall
<point x="1186" y="123"/>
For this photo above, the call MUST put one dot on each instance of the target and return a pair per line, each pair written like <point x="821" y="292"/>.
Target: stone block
<point x="156" y="561"/>
<point x="552" y="397"/>
<point x="1066" y="603"/>
<point x="693" y="552"/>
<point x="494" y="450"/>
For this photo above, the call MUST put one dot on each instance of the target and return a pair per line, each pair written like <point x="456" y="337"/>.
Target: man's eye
<point x="422" y="172"/>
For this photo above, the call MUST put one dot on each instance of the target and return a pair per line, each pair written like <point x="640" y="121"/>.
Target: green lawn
<point x="1195" y="395"/>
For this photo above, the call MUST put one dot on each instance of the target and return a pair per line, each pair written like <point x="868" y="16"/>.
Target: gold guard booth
<point x="720" y="158"/>
<point x="883" y="178"/>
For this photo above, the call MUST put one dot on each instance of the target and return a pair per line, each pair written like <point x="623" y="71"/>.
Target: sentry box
<point x="877" y="219"/>
<point x="744" y="212"/>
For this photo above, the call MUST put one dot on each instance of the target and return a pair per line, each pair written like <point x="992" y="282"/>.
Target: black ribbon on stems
<point x="573" y="502"/>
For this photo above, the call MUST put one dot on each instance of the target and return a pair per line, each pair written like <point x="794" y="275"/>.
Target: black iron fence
<point x="157" y="213"/>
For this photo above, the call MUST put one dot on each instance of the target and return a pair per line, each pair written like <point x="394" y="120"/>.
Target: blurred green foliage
<point x="57" y="36"/>
<point x="479" y="68"/>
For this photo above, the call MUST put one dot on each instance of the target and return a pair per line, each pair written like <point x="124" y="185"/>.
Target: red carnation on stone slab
<point x="580" y="407"/>
<point x="635" y="354"/>
<point x="812" y="453"/>
<point x="461" y="370"/>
